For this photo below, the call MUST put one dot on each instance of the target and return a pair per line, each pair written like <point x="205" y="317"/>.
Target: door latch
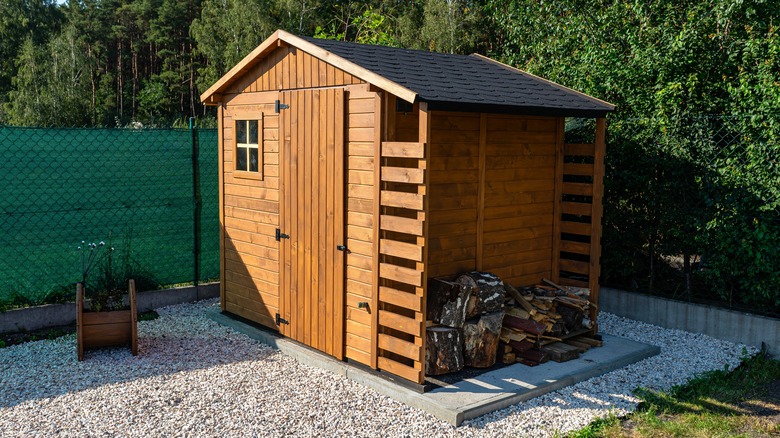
<point x="343" y="248"/>
<point x="280" y="235"/>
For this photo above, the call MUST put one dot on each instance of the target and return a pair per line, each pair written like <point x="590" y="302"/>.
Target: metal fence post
<point x="196" y="203"/>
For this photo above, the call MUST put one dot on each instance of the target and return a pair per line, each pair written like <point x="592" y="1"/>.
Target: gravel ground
<point x="193" y="377"/>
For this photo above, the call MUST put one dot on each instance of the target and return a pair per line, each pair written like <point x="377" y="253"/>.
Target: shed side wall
<point x="288" y="68"/>
<point x="454" y="176"/>
<point x="516" y="227"/>
<point x="360" y="146"/>
<point x="519" y="195"/>
<point x="251" y="216"/>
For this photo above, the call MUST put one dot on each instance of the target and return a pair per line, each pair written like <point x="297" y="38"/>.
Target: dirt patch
<point x="765" y="403"/>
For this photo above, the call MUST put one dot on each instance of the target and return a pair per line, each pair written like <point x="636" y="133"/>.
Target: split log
<point x="480" y="340"/>
<point x="443" y="350"/>
<point x="534" y="355"/>
<point x="572" y="318"/>
<point x="561" y="352"/>
<point x="590" y="341"/>
<point x="580" y="346"/>
<point x="446" y="302"/>
<point x="521" y="346"/>
<point x="527" y="325"/>
<point x="509" y="358"/>
<point x="487" y="295"/>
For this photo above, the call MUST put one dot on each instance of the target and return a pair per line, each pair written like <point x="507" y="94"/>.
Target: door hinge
<point x="278" y="106"/>
<point x="280" y="320"/>
<point x="280" y="235"/>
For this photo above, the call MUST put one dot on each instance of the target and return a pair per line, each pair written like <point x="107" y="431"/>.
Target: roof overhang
<point x="213" y="96"/>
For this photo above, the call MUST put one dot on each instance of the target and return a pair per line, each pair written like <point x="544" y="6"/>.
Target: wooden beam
<point x="598" y="193"/>
<point x="560" y="134"/>
<point x="221" y="184"/>
<point x="376" y="259"/>
<point x="424" y="137"/>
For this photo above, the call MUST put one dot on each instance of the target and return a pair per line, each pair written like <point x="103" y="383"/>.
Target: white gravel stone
<point x="193" y="377"/>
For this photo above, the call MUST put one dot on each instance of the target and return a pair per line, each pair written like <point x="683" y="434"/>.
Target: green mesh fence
<point x="133" y="189"/>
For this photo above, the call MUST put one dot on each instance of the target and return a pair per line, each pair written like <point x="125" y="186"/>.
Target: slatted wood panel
<point x="312" y="214"/>
<point x="249" y="215"/>
<point x="578" y="214"/>
<point x="402" y="253"/>
<point x="289" y="68"/>
<point x="360" y="287"/>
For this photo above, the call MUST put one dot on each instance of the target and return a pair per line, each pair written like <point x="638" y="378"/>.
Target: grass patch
<point x="744" y="402"/>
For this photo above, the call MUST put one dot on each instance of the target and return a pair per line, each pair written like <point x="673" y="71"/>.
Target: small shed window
<point x="249" y="137"/>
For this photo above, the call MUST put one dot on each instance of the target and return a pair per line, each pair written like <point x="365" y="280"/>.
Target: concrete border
<point x="725" y="324"/>
<point x="470" y="398"/>
<point x="53" y="315"/>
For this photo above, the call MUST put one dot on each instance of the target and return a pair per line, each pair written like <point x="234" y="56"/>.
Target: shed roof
<point x="445" y="81"/>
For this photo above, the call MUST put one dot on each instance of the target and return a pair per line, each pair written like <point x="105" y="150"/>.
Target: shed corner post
<point x="597" y="205"/>
<point x="560" y="139"/>
<point x="221" y="183"/>
<point x="380" y="113"/>
<point x="424" y="134"/>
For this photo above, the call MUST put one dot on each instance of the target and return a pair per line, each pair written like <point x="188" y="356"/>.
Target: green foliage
<point x="227" y="31"/>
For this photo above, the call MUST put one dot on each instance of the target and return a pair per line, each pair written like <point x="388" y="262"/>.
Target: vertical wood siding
<point x="251" y="215"/>
<point x="492" y="192"/>
<point x="361" y="118"/>
<point x="288" y="68"/>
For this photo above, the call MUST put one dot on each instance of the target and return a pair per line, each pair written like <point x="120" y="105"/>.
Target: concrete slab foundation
<point x="471" y="397"/>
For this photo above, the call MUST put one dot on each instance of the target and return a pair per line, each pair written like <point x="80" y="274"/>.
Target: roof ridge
<point x="554" y="84"/>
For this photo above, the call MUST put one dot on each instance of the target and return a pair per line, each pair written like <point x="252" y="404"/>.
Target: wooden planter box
<point x="106" y="329"/>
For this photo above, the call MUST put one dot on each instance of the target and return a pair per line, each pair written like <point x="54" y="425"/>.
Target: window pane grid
<point x="247" y="145"/>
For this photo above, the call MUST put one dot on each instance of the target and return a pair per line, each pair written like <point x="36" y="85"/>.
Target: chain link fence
<point x="692" y="209"/>
<point x="151" y="194"/>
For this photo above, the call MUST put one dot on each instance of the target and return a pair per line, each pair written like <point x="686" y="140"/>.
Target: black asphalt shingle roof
<point x="466" y="83"/>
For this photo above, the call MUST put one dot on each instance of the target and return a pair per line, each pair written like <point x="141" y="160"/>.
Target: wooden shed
<point x="350" y="174"/>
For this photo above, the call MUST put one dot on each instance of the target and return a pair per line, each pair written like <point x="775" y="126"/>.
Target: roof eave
<point x="528" y="110"/>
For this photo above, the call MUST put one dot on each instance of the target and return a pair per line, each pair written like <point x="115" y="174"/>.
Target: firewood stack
<point x="476" y="319"/>
<point x="544" y="322"/>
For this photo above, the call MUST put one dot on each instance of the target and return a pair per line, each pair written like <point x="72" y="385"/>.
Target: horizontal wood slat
<point x="411" y="201"/>
<point x="398" y="273"/>
<point x="399" y="369"/>
<point x="575" y="247"/>
<point x="576" y="208"/>
<point x="578" y="169"/>
<point x="575" y="228"/>
<point x="403" y="149"/>
<point x="412" y="326"/>
<point x="399" y="346"/>
<point x="403" y="250"/>
<point x="579" y="149"/>
<point x="402" y="175"/>
<point x="578" y="189"/>
<point x="399" y="298"/>
<point x="401" y="225"/>
<point x="575" y="266"/>
<point x="571" y="282"/>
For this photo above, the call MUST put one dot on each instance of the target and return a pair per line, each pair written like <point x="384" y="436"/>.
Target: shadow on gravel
<point x="46" y="369"/>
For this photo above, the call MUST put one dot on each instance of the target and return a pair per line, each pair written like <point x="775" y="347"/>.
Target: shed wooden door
<point x="312" y="215"/>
